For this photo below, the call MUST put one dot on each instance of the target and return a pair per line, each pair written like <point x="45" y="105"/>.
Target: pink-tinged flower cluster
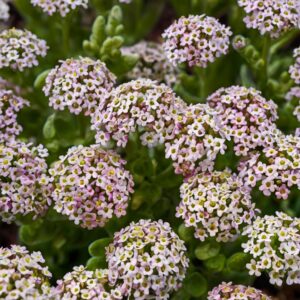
<point x="20" y="49"/>
<point x="80" y="85"/>
<point x="294" y="93"/>
<point x="91" y="186"/>
<point x="196" y="40"/>
<point x="272" y="17"/>
<point x="147" y="260"/>
<point x="24" y="184"/>
<point x="245" y="117"/>
<point x="125" y="1"/>
<point x="194" y="140"/>
<point x="6" y="85"/>
<point x="152" y="64"/>
<point x="10" y="105"/>
<point x="23" y="275"/>
<point x="63" y="7"/>
<point x="294" y="70"/>
<point x="137" y="106"/>
<point x="4" y="10"/>
<point x="216" y="204"/>
<point x="274" y="246"/>
<point x="83" y="284"/>
<point x="276" y="168"/>
<point x="229" y="291"/>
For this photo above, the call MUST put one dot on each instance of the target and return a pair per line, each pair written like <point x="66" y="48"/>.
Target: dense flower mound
<point x="272" y="17"/>
<point x="295" y="68"/>
<point x="147" y="260"/>
<point x="216" y="204"/>
<point x="91" y="186"/>
<point x="245" y="116"/>
<point x="4" y="10"/>
<point x="79" y="85"/>
<point x="20" y="49"/>
<point x="194" y="140"/>
<point x="24" y="184"/>
<point x="152" y="64"/>
<point x="276" y="169"/>
<point x="294" y="93"/>
<point x="10" y="105"/>
<point x="229" y="291"/>
<point x="60" y="6"/>
<point x="83" y="284"/>
<point x="274" y="246"/>
<point x="137" y="106"/>
<point x="196" y="40"/>
<point x="23" y="275"/>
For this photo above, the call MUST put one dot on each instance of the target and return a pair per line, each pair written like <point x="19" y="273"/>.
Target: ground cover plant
<point x="150" y="149"/>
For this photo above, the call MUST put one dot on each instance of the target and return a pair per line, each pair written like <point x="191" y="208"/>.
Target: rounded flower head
<point x="245" y="116"/>
<point x="295" y="68"/>
<point x="80" y="85"/>
<point x="23" y="275"/>
<point x="276" y="168"/>
<point x="24" y="184"/>
<point x="216" y="204"/>
<point x="147" y="260"/>
<point x="274" y="246"/>
<point x="229" y="291"/>
<point x="196" y="40"/>
<point x="4" y="10"/>
<point x="20" y="49"/>
<point x="10" y="105"/>
<point x="60" y="6"/>
<point x="294" y="94"/>
<point x="137" y="106"/>
<point x="83" y="284"/>
<point x="91" y="186"/>
<point x="194" y="140"/>
<point x="272" y="17"/>
<point x="152" y="64"/>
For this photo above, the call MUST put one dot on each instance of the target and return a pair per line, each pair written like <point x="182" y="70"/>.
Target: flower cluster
<point x="80" y="85"/>
<point x="216" y="204"/>
<point x="6" y="85"/>
<point x="23" y="274"/>
<point x="152" y="64"/>
<point x="245" y="116"/>
<point x="228" y="291"/>
<point x="196" y="40"/>
<point x="19" y="49"/>
<point x="140" y="105"/>
<point x="60" y="6"/>
<point x="10" y="104"/>
<point x="83" y="284"/>
<point x="91" y="186"/>
<point x="295" y="68"/>
<point x="272" y="17"/>
<point x="276" y="168"/>
<point x="147" y="260"/>
<point x="194" y="140"/>
<point x="24" y="187"/>
<point x="274" y="246"/>
<point x="294" y="93"/>
<point x="4" y="10"/>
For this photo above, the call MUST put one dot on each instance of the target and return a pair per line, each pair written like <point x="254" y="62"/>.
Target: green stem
<point x="65" y="26"/>
<point x="265" y="57"/>
<point x="201" y="73"/>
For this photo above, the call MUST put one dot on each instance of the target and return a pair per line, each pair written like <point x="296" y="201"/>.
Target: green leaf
<point x="98" y="31"/>
<point x="97" y="248"/>
<point x="114" y="20"/>
<point x="185" y="233"/>
<point x="96" y="263"/>
<point x="238" y="261"/>
<point x="40" y="79"/>
<point x="207" y="250"/>
<point x="49" y="127"/>
<point x="215" y="264"/>
<point x="195" y="285"/>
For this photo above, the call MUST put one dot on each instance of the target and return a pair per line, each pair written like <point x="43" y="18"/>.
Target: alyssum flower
<point x="23" y="275"/>
<point x="91" y="185"/>
<point x="147" y="260"/>
<point x="229" y="291"/>
<point x="137" y="106"/>
<point x="294" y="93"/>
<point x="274" y="246"/>
<point x="216" y="204"/>
<point x="196" y="40"/>
<point x="24" y="184"/>
<point x="83" y="284"/>
<point x="20" y="49"/>
<point x="79" y="85"/>
<point x="245" y="117"/>
<point x="4" y="10"/>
